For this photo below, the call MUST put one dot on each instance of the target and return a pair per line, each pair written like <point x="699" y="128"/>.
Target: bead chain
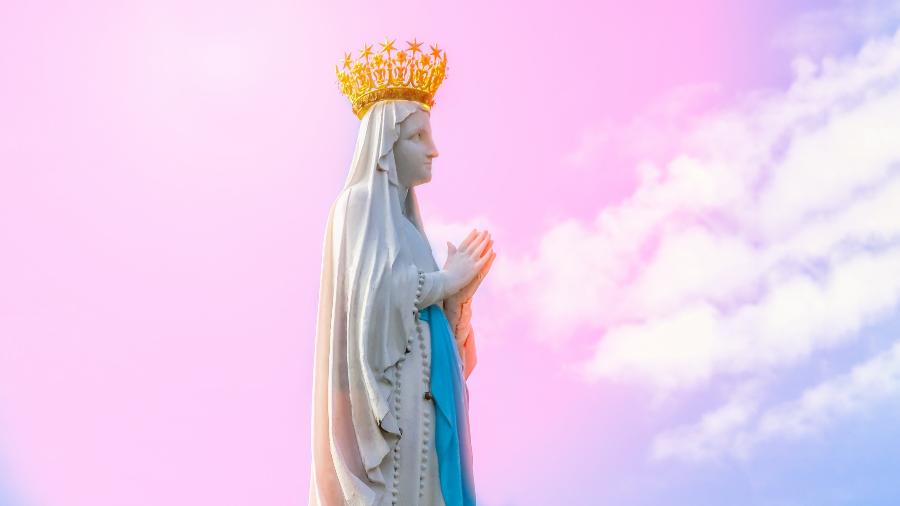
<point x="426" y="370"/>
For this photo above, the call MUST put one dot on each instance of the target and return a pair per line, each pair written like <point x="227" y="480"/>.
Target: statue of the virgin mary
<point x="394" y="341"/>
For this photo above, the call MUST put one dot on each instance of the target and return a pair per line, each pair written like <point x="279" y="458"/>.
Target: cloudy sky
<point x="695" y="207"/>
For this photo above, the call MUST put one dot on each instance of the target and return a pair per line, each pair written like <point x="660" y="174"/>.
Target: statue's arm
<point x="459" y="314"/>
<point x="467" y="351"/>
<point x="434" y="286"/>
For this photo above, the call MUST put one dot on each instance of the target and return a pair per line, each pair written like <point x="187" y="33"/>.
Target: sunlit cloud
<point x="762" y="242"/>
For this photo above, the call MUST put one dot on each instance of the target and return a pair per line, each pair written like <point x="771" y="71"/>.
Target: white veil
<point x="365" y="313"/>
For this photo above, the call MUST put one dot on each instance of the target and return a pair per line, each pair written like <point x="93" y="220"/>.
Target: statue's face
<point x="414" y="149"/>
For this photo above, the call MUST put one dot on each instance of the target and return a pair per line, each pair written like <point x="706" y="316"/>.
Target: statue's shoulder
<point x="351" y="200"/>
<point x="352" y="196"/>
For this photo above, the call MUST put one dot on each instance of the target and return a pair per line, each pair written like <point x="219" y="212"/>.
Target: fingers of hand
<point x="476" y="245"/>
<point x="486" y="266"/>
<point x="469" y="289"/>
<point x="482" y="261"/>
<point x="463" y="245"/>
<point x="486" y="247"/>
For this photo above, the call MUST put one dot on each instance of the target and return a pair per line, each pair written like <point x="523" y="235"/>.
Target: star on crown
<point x="410" y="74"/>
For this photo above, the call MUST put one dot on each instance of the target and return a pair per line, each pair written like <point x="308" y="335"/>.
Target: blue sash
<point x="451" y="401"/>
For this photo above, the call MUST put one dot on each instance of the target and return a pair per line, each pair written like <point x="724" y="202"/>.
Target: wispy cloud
<point x="828" y="30"/>
<point x="651" y="134"/>
<point x="739" y="426"/>
<point x="768" y="238"/>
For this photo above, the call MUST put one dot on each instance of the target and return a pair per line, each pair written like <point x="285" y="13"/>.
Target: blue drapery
<point x="451" y="400"/>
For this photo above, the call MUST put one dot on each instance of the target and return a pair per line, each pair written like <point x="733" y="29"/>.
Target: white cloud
<point x="716" y="430"/>
<point x="797" y="315"/>
<point x="773" y="235"/>
<point x="739" y="426"/>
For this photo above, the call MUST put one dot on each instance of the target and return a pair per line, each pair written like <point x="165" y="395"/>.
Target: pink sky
<point x="167" y="169"/>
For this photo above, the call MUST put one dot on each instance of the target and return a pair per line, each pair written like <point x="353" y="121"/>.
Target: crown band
<point x="363" y="103"/>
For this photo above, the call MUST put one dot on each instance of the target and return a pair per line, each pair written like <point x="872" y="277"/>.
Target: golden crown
<point x="410" y="74"/>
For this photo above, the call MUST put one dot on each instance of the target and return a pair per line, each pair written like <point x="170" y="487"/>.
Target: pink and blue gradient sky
<point x="694" y="207"/>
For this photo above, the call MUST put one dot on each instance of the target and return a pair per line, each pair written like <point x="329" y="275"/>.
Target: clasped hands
<point x="466" y="267"/>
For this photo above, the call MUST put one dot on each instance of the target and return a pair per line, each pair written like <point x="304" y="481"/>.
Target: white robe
<point x="374" y="252"/>
<point x="415" y="457"/>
